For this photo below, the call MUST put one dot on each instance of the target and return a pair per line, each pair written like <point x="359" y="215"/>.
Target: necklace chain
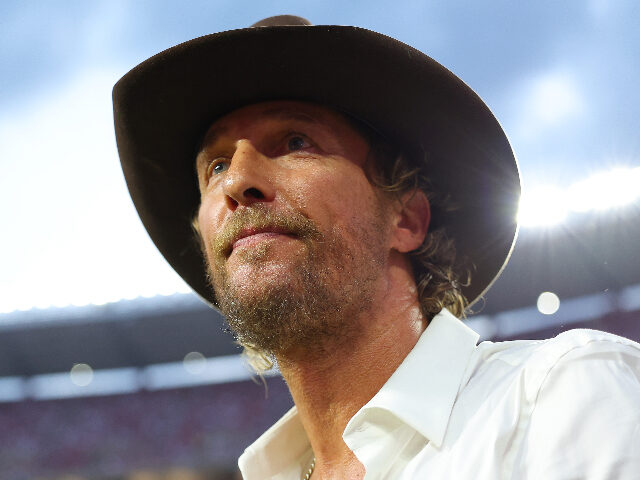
<point x="309" y="472"/>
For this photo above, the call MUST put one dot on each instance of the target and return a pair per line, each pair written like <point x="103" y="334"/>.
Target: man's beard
<point x="329" y="286"/>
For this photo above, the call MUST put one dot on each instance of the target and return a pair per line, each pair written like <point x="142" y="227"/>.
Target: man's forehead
<point x="286" y="110"/>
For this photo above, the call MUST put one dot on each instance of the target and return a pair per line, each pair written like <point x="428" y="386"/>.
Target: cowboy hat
<point x="163" y="106"/>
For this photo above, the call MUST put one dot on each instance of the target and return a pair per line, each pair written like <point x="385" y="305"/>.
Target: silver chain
<point x="309" y="472"/>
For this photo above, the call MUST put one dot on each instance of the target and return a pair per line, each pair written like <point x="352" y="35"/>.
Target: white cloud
<point x="551" y="100"/>
<point x="554" y="98"/>
<point x="70" y="232"/>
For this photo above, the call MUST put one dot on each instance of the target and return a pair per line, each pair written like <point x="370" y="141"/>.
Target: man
<point x="343" y="186"/>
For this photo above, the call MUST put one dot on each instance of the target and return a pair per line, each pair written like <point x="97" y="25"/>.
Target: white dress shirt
<point x="566" y="408"/>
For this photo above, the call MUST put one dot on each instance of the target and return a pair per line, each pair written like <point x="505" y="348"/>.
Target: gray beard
<point x="308" y="313"/>
<point x="318" y="309"/>
<point x="282" y="318"/>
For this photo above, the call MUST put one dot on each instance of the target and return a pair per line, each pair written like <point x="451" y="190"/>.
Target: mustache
<point x="261" y="217"/>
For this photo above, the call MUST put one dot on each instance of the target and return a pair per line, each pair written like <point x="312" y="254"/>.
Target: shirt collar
<point x="282" y="452"/>
<point x="422" y="391"/>
<point x="420" y="394"/>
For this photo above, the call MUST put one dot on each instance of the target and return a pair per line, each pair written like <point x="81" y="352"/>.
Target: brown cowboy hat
<point x="164" y="105"/>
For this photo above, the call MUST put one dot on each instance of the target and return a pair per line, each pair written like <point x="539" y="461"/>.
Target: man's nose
<point x="247" y="181"/>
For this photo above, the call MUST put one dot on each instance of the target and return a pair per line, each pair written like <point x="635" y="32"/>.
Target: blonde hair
<point x="435" y="261"/>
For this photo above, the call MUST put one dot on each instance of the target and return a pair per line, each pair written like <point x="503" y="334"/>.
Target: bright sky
<point x="561" y="76"/>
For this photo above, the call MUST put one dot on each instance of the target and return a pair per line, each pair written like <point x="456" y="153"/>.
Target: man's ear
<point x="412" y="222"/>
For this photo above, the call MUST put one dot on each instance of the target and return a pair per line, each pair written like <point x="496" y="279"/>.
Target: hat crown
<point x="281" y="20"/>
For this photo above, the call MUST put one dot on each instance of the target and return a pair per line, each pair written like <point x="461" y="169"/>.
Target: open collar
<point x="422" y="391"/>
<point x="282" y="452"/>
<point x="419" y="395"/>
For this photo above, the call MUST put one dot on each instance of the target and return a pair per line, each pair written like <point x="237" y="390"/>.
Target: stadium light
<point x="605" y="190"/>
<point x="548" y="303"/>
<point x="545" y="206"/>
<point x="81" y="374"/>
<point x="194" y="363"/>
<point x="549" y="205"/>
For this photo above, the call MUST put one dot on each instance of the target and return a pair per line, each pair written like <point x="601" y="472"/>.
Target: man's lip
<point x="245" y="235"/>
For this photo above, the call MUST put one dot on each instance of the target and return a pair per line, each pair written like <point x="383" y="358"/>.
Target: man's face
<point x="295" y="235"/>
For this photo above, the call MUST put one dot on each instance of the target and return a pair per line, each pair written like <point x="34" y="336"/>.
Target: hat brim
<point x="163" y="106"/>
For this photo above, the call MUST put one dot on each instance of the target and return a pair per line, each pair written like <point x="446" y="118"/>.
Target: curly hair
<point x="435" y="263"/>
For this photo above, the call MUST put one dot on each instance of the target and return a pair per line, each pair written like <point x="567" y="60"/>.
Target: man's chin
<point x="253" y="283"/>
<point x="259" y="249"/>
<point x="267" y="316"/>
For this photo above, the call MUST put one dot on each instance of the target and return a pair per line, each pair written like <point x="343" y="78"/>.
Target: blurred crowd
<point x="191" y="434"/>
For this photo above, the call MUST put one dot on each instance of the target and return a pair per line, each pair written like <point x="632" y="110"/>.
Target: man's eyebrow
<point x="284" y="113"/>
<point x="211" y="137"/>
<point x="278" y="113"/>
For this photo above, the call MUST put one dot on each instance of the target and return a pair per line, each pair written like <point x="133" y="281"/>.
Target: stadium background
<point x="111" y="369"/>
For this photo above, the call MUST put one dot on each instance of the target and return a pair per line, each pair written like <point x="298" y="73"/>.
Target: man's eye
<point x="217" y="166"/>
<point x="297" y="142"/>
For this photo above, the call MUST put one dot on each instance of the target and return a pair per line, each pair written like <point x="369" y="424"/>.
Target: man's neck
<point x="329" y="388"/>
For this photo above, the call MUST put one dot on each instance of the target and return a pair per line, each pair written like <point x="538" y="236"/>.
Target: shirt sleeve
<point x="585" y="420"/>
